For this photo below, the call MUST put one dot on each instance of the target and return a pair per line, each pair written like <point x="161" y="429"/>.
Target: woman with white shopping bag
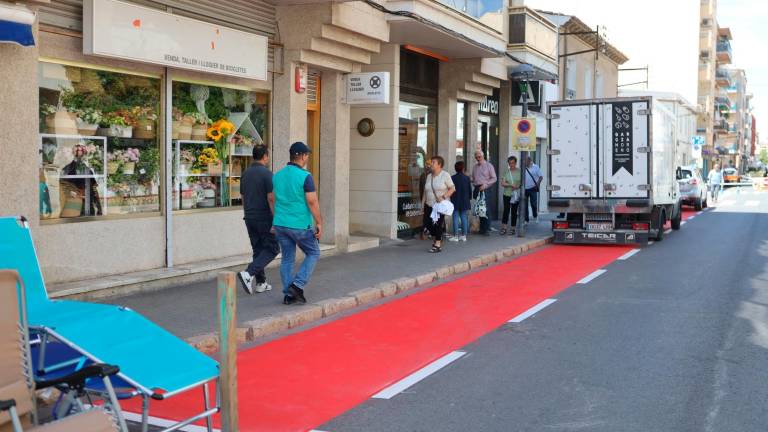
<point x="511" y="184"/>
<point x="436" y="199"/>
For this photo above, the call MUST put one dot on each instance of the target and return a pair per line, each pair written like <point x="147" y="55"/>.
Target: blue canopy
<point x="13" y="32"/>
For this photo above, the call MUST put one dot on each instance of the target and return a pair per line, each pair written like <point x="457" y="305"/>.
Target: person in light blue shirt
<point x="296" y="210"/>
<point x="715" y="180"/>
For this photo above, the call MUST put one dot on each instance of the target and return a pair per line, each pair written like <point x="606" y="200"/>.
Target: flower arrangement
<point x="143" y="113"/>
<point x="118" y="118"/>
<point x="220" y="130"/>
<point x="131" y="155"/>
<point x="89" y="115"/>
<point x="186" y="157"/>
<point x="208" y="156"/>
<point x="199" y="118"/>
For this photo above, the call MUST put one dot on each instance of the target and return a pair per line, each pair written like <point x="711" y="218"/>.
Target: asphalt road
<point x="675" y="338"/>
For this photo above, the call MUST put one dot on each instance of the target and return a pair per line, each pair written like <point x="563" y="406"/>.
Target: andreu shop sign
<point x="129" y="32"/>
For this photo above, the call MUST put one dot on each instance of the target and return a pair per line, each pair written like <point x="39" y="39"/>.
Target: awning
<point x="16" y="25"/>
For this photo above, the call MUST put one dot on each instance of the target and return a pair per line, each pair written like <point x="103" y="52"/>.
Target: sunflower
<point x="214" y="133"/>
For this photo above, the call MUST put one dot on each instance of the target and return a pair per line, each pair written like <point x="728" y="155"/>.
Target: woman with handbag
<point x="438" y="188"/>
<point x="511" y="184"/>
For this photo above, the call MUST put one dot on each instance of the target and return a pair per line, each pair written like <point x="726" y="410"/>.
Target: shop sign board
<point x="368" y="88"/>
<point x="524" y="134"/>
<point x="126" y="31"/>
<point x="489" y="105"/>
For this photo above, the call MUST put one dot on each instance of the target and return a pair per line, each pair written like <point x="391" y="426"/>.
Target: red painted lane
<point x="304" y="380"/>
<point x="687" y="214"/>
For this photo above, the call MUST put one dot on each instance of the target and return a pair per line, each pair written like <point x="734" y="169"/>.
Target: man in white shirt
<point x="533" y="180"/>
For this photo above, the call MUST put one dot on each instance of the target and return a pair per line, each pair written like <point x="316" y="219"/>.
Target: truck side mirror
<point x="679" y="173"/>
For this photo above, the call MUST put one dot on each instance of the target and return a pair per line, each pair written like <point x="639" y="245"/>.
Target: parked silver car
<point x="693" y="188"/>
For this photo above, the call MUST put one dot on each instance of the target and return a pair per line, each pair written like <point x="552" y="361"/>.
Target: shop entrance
<point x="488" y="143"/>
<point x="313" y="126"/>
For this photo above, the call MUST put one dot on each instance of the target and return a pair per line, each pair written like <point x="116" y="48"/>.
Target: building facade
<point x="708" y="36"/>
<point x="112" y="163"/>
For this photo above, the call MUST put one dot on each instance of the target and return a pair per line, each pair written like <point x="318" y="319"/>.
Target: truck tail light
<point x="641" y="226"/>
<point x="559" y="225"/>
<point x="693" y="181"/>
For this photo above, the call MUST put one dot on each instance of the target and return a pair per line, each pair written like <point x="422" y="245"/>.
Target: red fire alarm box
<point x="300" y="79"/>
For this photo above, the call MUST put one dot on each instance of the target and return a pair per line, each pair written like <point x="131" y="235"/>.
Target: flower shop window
<point x="99" y="146"/>
<point x="214" y="132"/>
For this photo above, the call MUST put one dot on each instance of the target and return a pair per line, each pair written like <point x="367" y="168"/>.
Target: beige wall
<point x="206" y="235"/>
<point x="373" y="159"/>
<point x="19" y="166"/>
<point x="584" y="66"/>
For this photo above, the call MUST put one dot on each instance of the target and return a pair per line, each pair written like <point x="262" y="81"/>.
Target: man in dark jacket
<point x="255" y="188"/>
<point x="461" y="202"/>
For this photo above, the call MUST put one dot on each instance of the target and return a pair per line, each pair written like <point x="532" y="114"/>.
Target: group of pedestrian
<point x="462" y="189"/>
<point x="281" y="213"/>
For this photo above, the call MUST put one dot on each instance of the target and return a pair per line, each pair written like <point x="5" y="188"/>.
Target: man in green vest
<point x="296" y="209"/>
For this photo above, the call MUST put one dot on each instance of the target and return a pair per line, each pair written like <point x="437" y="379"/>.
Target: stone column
<point x="19" y="142"/>
<point x="290" y="112"/>
<point x="334" y="161"/>
<point x="374" y="160"/>
<point x="447" y="113"/>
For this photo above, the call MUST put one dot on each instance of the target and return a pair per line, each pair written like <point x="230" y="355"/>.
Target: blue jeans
<point x="305" y="239"/>
<point x="464" y="217"/>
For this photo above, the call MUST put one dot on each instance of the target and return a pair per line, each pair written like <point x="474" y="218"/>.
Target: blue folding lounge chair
<point x="156" y="363"/>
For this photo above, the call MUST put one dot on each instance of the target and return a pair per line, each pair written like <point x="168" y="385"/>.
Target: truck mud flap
<point x="585" y="237"/>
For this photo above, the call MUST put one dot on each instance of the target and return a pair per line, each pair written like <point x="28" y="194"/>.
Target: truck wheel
<point x="705" y="204"/>
<point x="698" y="204"/>
<point x="675" y="222"/>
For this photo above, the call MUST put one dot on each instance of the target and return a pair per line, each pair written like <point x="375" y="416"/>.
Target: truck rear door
<point x="623" y="170"/>
<point x="573" y="161"/>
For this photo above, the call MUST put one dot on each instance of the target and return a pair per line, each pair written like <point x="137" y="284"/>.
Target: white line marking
<point x="726" y="203"/>
<point x="690" y="217"/>
<point x="651" y="242"/>
<point x="752" y="203"/>
<point x="700" y="212"/>
<point x="682" y="223"/>
<point x="156" y="421"/>
<point x="628" y="254"/>
<point x="591" y="276"/>
<point x="419" y="375"/>
<point x="532" y="311"/>
<point x="668" y="231"/>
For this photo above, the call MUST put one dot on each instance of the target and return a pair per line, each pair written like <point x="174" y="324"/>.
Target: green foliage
<point x="150" y="163"/>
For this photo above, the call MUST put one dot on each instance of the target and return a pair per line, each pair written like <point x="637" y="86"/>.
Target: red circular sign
<point x="524" y="126"/>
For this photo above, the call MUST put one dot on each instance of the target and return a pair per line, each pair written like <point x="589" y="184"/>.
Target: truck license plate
<point x="599" y="226"/>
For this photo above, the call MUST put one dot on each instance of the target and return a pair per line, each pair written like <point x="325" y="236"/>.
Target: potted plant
<point x="58" y="120"/>
<point x="116" y="124"/>
<point x="243" y="144"/>
<point x="130" y="157"/>
<point x="114" y="161"/>
<point x="145" y="118"/>
<point x="187" y="160"/>
<point x="210" y="157"/>
<point x="88" y="120"/>
<point x="199" y="126"/>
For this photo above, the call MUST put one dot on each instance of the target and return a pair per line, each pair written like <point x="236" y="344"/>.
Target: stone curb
<point x="301" y="315"/>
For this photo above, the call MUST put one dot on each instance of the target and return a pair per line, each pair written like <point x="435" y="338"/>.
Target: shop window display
<point x="214" y="132"/>
<point x="99" y="146"/>
<point x="417" y="134"/>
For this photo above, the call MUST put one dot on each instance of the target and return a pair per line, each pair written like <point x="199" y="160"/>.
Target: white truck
<point x="612" y="171"/>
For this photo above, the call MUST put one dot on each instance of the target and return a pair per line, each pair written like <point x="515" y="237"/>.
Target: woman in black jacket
<point x="461" y="202"/>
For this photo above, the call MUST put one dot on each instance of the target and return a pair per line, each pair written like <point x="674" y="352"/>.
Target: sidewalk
<point x="340" y="282"/>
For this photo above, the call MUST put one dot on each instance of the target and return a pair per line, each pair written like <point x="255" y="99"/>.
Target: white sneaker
<point x="247" y="280"/>
<point x="463" y="238"/>
<point x="261" y="287"/>
<point x="453" y="239"/>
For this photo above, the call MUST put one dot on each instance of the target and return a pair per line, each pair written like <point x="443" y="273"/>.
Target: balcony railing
<point x="724" y="51"/>
<point x="723" y="78"/>
<point x="530" y="31"/>
<point x="488" y="12"/>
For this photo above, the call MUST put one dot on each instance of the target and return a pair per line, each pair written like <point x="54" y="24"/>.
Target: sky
<point x="664" y="35"/>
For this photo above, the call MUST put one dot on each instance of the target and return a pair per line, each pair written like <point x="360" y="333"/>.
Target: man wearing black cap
<point x="296" y="208"/>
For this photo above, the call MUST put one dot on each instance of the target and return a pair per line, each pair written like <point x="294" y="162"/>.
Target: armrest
<point x="77" y="379"/>
<point x="6" y="405"/>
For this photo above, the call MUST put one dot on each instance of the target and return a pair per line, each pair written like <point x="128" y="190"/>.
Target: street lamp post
<point x="522" y="75"/>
